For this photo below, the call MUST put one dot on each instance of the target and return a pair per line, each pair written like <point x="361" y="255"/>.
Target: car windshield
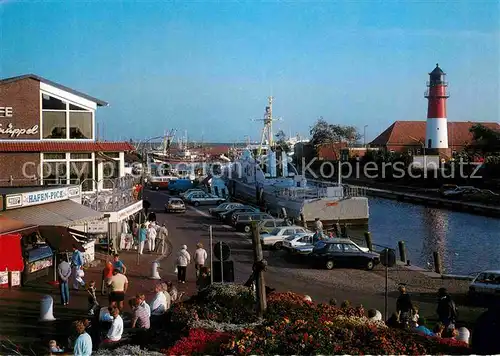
<point x="175" y="201"/>
<point x="293" y="237"/>
<point x="275" y="231"/>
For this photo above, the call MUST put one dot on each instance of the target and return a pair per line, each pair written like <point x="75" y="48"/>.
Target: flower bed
<point x="293" y="326"/>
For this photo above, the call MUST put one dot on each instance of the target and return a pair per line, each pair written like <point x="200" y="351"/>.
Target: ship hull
<point x="348" y="210"/>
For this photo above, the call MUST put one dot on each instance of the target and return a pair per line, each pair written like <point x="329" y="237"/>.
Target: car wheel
<point x="278" y="245"/>
<point x="370" y="265"/>
<point x="329" y="264"/>
<point x="196" y="203"/>
<point x="247" y="228"/>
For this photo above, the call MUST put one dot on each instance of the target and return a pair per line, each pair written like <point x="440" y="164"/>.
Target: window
<point x="81" y="173"/>
<point x="63" y="120"/>
<point x="61" y="156"/>
<point x="81" y="155"/>
<point x="350" y="248"/>
<point x="54" y="124"/>
<point x="117" y="155"/>
<point x="110" y="171"/>
<point x="80" y="124"/>
<point x="298" y="231"/>
<point x="335" y="248"/>
<point x="54" y="173"/>
<point x="288" y="232"/>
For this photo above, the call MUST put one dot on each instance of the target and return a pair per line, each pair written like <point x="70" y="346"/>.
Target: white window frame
<point x="67" y="111"/>
<point x="68" y="161"/>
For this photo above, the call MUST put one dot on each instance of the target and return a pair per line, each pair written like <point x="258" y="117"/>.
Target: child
<point x="93" y="303"/>
<point x="53" y="347"/>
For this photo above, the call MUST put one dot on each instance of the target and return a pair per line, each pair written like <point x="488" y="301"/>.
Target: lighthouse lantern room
<point x="437" y="126"/>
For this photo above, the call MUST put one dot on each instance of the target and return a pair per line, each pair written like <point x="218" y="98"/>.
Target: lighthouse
<point x="436" y="132"/>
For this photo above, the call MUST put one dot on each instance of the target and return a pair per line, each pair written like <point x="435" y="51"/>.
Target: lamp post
<point x="364" y="135"/>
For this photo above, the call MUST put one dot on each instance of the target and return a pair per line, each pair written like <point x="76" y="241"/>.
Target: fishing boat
<point x="265" y="176"/>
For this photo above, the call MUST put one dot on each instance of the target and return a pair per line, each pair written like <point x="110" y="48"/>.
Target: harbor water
<point x="467" y="243"/>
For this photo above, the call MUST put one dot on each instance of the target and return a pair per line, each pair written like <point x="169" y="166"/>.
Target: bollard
<point x="47" y="308"/>
<point x="154" y="270"/>
<point x="402" y="251"/>
<point x="336" y="227"/>
<point x="437" y="263"/>
<point x="368" y="239"/>
<point x="343" y="231"/>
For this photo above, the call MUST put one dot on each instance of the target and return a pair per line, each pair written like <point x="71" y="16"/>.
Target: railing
<point x="321" y="192"/>
<point x="120" y="196"/>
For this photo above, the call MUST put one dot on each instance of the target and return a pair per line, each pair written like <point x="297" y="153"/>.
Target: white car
<point x="296" y="240"/>
<point x="308" y="248"/>
<point x="204" y="199"/>
<point x="486" y="284"/>
<point x="275" y="238"/>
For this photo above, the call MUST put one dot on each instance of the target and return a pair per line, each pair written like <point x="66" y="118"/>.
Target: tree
<point x="281" y="141"/>
<point x="486" y="140"/>
<point x="323" y="133"/>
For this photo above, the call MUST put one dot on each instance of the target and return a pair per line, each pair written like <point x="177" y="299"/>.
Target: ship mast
<point x="267" y="130"/>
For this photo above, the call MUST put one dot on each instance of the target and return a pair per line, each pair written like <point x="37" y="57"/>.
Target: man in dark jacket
<point x="404" y="306"/>
<point x="446" y="309"/>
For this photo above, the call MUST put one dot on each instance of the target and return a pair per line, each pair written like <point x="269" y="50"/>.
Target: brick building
<point x="409" y="136"/>
<point x="48" y="136"/>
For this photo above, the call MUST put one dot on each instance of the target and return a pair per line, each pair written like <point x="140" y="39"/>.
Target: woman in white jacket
<point x="183" y="259"/>
<point x="200" y="256"/>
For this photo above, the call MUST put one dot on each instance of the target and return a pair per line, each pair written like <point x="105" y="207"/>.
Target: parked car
<point x="341" y="252"/>
<point x="204" y="199"/>
<point x="296" y="240"/>
<point x="223" y="208"/>
<point x="175" y="205"/>
<point x="228" y="215"/>
<point x="485" y="287"/>
<point x="188" y="192"/>
<point x="460" y="191"/>
<point x="179" y="186"/>
<point x="275" y="238"/>
<point x="242" y="222"/>
<point x="308" y="248"/>
<point x="268" y="225"/>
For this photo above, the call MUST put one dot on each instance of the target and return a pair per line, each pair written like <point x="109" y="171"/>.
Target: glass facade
<point x="110" y="171"/>
<point x="80" y="123"/>
<point x="54" y="124"/>
<point x="81" y="172"/>
<point x="54" y="173"/>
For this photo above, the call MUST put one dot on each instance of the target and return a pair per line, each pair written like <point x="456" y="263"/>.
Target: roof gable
<point x="54" y="84"/>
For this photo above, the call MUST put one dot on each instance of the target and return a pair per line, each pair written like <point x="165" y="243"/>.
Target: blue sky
<point x="207" y="67"/>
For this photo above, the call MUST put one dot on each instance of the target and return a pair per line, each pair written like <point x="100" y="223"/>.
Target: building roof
<point x="48" y="146"/>
<point x="412" y="133"/>
<point x="54" y="84"/>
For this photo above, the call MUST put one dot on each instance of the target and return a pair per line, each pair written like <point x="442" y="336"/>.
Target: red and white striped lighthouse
<point x="436" y="132"/>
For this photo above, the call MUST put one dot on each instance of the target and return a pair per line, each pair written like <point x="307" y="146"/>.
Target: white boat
<point x="259" y="178"/>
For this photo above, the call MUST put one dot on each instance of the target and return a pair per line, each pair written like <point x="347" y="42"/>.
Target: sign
<point x="97" y="227"/>
<point x="6" y="111"/>
<point x="15" y="279"/>
<point x="388" y="258"/>
<point x="40" y="197"/>
<point x="132" y="209"/>
<point x="13" y="131"/>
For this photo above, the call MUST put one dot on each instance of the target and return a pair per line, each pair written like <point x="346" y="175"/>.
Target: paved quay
<point x="358" y="286"/>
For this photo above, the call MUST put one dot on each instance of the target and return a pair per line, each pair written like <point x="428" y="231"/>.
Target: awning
<point x="9" y="226"/>
<point x="11" y="258"/>
<point x="61" y="213"/>
<point x="60" y="238"/>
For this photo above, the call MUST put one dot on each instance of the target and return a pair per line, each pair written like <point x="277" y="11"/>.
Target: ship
<point x="265" y="176"/>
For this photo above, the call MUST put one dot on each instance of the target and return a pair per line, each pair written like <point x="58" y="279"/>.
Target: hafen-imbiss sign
<point x="20" y="200"/>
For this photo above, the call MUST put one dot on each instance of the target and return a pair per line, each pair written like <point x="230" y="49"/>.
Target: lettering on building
<point x="13" y="131"/>
<point x="6" y="111"/>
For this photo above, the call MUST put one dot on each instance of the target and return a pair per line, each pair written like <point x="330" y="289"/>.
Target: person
<point x="200" y="256"/>
<point x="53" y="347"/>
<point x="116" y="330"/>
<point x="404" y="306"/>
<point x="463" y="335"/>
<point x="446" y="309"/>
<point x="118" y="264"/>
<point x="143" y="303"/>
<point x="159" y="303"/>
<point x="140" y="322"/>
<point x="318" y="225"/>
<point x="77" y="264"/>
<point x="393" y="321"/>
<point x="118" y="287"/>
<point x="107" y="273"/>
<point x="142" y="237"/>
<point x="204" y="280"/>
<point x="420" y="328"/>
<point x="438" y="330"/>
<point x="83" y="343"/>
<point x="92" y="298"/>
<point x="64" y="272"/>
<point x="152" y="216"/>
<point x="151" y="235"/>
<point x="146" y="205"/>
<point x="172" y="290"/>
<point x="162" y="238"/>
<point x="183" y="259"/>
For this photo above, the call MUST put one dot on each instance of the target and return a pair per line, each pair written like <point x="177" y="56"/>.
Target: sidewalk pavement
<point x="20" y="307"/>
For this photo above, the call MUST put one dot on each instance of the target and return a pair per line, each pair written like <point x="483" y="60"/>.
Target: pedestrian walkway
<point x="20" y="307"/>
